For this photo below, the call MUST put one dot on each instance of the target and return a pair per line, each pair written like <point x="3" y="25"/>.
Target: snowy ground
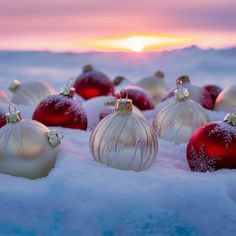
<point x="82" y="197"/>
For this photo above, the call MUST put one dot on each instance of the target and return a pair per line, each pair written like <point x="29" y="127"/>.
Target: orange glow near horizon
<point x="139" y="43"/>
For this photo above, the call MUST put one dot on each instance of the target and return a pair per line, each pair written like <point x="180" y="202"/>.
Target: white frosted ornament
<point x="30" y="93"/>
<point x="27" y="147"/>
<point x="155" y="85"/>
<point x="179" y="119"/>
<point x="98" y="107"/>
<point x="123" y="140"/>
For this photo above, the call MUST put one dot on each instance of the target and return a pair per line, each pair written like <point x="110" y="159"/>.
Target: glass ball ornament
<point x="92" y="83"/>
<point x="27" y="148"/>
<point x="213" y="146"/>
<point x="123" y="140"/>
<point x="99" y="107"/>
<point x="62" y="110"/>
<point x="154" y="85"/>
<point x="178" y="120"/>
<point x="30" y="93"/>
<point x="226" y="100"/>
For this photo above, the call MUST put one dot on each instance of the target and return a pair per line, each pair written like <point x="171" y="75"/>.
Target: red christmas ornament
<point x="92" y="83"/>
<point x="214" y="91"/>
<point x="213" y="146"/>
<point x="139" y="97"/>
<point x="61" y="110"/>
<point x="3" y="120"/>
<point x="3" y="96"/>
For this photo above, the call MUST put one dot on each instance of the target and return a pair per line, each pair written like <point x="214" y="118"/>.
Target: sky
<point x="124" y="25"/>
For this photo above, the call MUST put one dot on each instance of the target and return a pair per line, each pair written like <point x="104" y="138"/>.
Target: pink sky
<point x="81" y="24"/>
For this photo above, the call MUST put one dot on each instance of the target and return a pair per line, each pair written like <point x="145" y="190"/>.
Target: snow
<point x="83" y="197"/>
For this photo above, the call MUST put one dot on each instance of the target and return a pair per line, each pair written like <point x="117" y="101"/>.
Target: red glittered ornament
<point x="3" y="120"/>
<point x="213" y="146"/>
<point x="61" y="110"/>
<point x="139" y="97"/>
<point x="92" y="83"/>
<point x="214" y="91"/>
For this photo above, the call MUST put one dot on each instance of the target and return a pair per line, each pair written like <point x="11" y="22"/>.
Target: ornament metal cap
<point x="182" y="79"/>
<point x="68" y="91"/>
<point x="87" y="68"/>
<point x="118" y="79"/>
<point x="123" y="105"/>
<point x="231" y="118"/>
<point x="14" y="85"/>
<point x="160" y="74"/>
<point x="181" y="93"/>
<point x="54" y="137"/>
<point x="13" y="116"/>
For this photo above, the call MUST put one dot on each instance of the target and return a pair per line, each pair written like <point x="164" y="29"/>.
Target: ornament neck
<point x="123" y="105"/>
<point x="68" y="92"/>
<point x="230" y="118"/>
<point x="54" y="137"/>
<point x="14" y="85"/>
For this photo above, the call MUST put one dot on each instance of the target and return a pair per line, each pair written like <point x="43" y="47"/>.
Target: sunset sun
<point x="135" y="44"/>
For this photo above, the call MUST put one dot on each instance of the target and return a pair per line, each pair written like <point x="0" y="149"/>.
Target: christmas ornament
<point x="226" y="100"/>
<point x="27" y="147"/>
<point x="61" y="110"/>
<point x="99" y="107"/>
<point x="30" y="93"/>
<point x="196" y="93"/>
<point x="92" y="83"/>
<point x="213" y="146"/>
<point x="214" y="91"/>
<point x="139" y="98"/>
<point x="121" y="82"/>
<point x="178" y="120"/>
<point x="124" y="141"/>
<point x="155" y="85"/>
<point x="3" y="97"/>
<point x="3" y="120"/>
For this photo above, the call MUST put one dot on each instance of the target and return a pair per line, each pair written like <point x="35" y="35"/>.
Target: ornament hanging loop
<point x="69" y="82"/>
<point x="12" y="108"/>
<point x="68" y="90"/>
<point x="123" y="94"/>
<point x="13" y="116"/>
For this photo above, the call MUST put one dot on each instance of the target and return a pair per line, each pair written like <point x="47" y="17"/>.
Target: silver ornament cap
<point x="14" y="85"/>
<point x="13" y="116"/>
<point x="230" y="118"/>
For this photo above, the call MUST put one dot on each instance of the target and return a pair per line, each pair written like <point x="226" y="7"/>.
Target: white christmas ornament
<point x="30" y="93"/>
<point x="123" y="140"/>
<point x="27" y="147"/>
<point x="179" y="120"/>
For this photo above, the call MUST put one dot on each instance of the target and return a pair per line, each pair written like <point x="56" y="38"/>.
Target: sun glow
<point x="138" y="43"/>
